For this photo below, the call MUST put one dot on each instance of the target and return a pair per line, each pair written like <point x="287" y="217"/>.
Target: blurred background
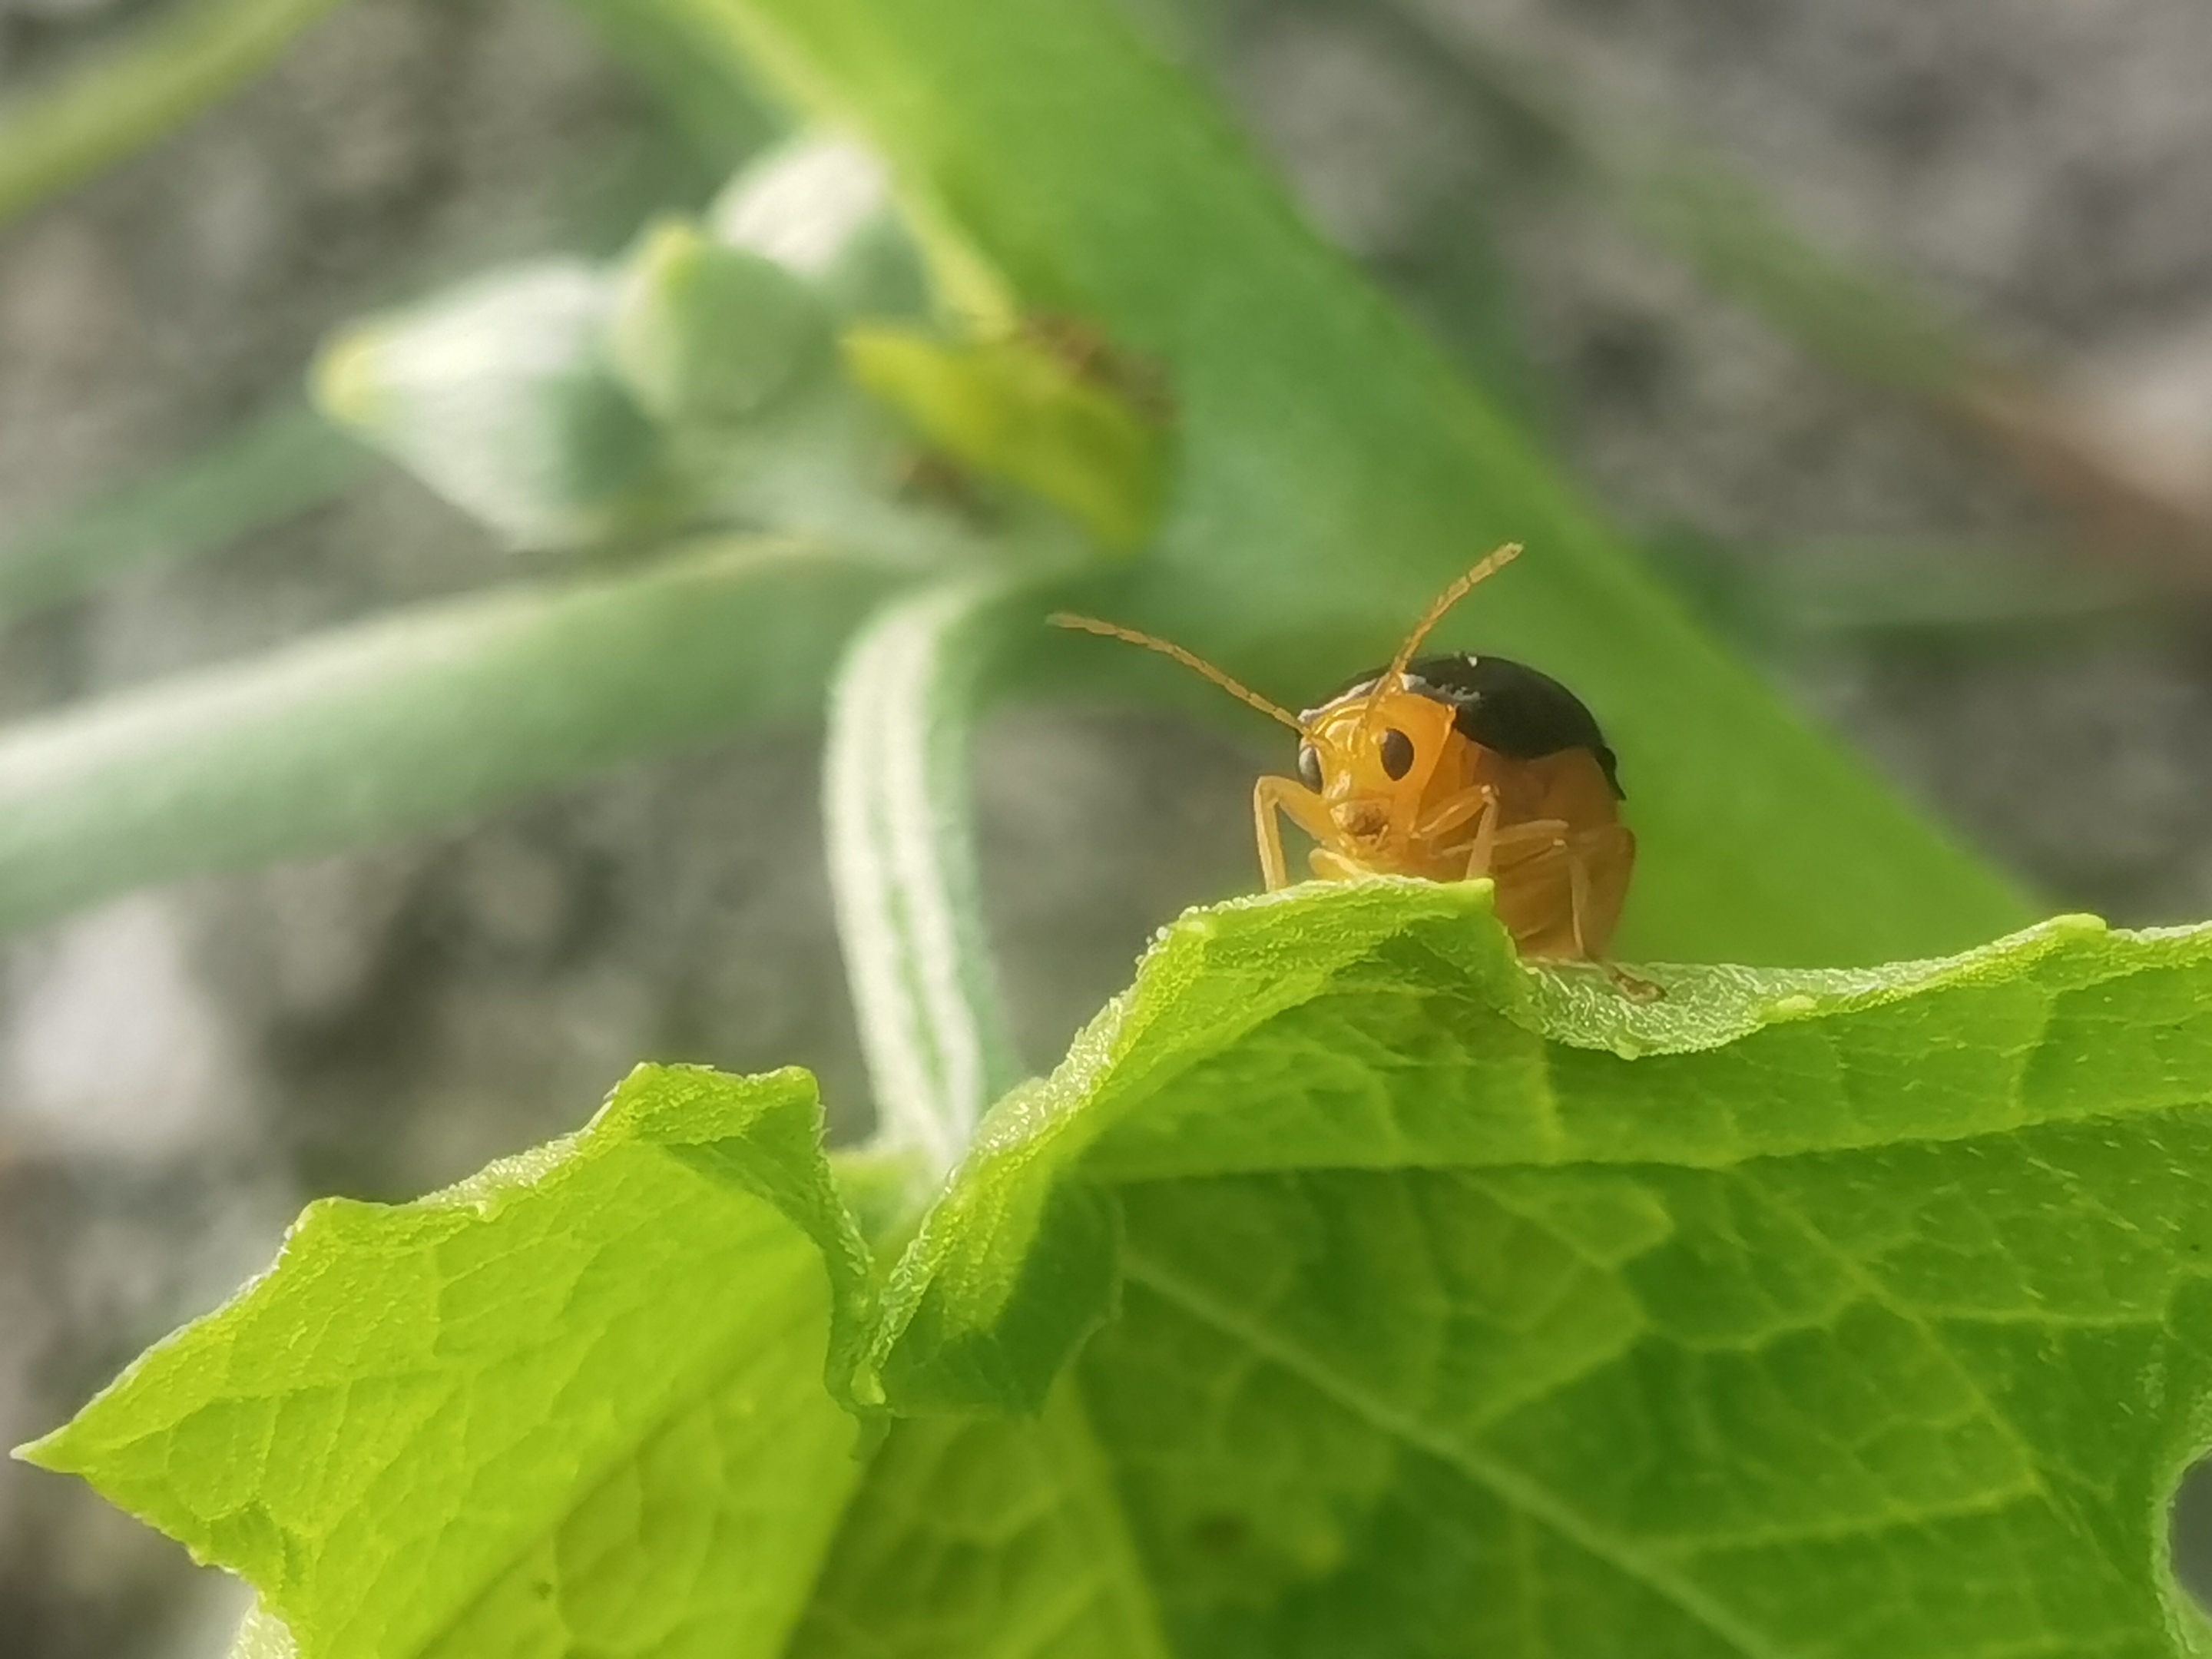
<point x="1885" y="330"/>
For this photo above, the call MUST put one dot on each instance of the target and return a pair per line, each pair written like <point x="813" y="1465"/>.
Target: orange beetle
<point x="1451" y="768"/>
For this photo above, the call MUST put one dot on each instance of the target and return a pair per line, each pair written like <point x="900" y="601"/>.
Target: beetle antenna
<point x="1235" y="688"/>
<point x="1489" y="566"/>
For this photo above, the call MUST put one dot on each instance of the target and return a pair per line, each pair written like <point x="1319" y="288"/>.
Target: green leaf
<point x="1352" y="1288"/>
<point x="575" y="1402"/>
<point x="1443" y="1304"/>
<point x="676" y="60"/>
<point x="418" y="718"/>
<point x="983" y="1536"/>
<point x="500" y="396"/>
<point x="1332" y="474"/>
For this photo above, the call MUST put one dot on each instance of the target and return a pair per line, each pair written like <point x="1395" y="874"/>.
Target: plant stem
<point x="260" y="473"/>
<point x="418" y="718"/>
<point x="902" y="868"/>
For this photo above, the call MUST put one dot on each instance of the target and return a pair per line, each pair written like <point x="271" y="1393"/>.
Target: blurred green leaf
<point x="1693" y="203"/>
<point x="500" y="396"/>
<point x="1959" y="591"/>
<point x="182" y="60"/>
<point x="705" y="333"/>
<point x="821" y="207"/>
<point x="1866" y="323"/>
<point x="897" y="802"/>
<point x="1732" y="234"/>
<point x="416" y="719"/>
<point x="256" y="475"/>
<point x="1012" y="409"/>
<point x="685" y="63"/>
<point x="1332" y="473"/>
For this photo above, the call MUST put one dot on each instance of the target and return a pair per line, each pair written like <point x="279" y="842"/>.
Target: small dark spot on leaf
<point x="1220" y="1535"/>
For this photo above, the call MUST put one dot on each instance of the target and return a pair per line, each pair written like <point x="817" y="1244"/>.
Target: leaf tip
<point x="50" y="1451"/>
<point x="343" y="383"/>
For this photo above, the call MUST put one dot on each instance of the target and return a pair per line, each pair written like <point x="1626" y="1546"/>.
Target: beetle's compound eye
<point x="1309" y="766"/>
<point x="1397" y="753"/>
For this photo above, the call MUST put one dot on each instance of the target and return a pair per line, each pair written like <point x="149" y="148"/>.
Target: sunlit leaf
<point x="575" y="1401"/>
<point x="1352" y="1288"/>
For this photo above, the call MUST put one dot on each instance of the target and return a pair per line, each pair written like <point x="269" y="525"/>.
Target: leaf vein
<point x="1514" y="1490"/>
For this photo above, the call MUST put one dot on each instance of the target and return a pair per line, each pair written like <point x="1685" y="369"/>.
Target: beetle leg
<point x="1456" y="810"/>
<point x="1544" y="833"/>
<point x="1538" y="900"/>
<point x="1334" y="866"/>
<point x="1603" y="859"/>
<point x="1480" y="851"/>
<point x="1578" y="897"/>
<point x="1479" y="802"/>
<point x="1270" y="796"/>
<point x="1635" y="987"/>
<point x="1269" y="830"/>
<point x="1490" y="841"/>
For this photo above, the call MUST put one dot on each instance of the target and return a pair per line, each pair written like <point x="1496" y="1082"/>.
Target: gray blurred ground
<point x="180" y="1069"/>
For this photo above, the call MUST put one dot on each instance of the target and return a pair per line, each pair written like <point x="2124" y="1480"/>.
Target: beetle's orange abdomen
<point x="1536" y="897"/>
